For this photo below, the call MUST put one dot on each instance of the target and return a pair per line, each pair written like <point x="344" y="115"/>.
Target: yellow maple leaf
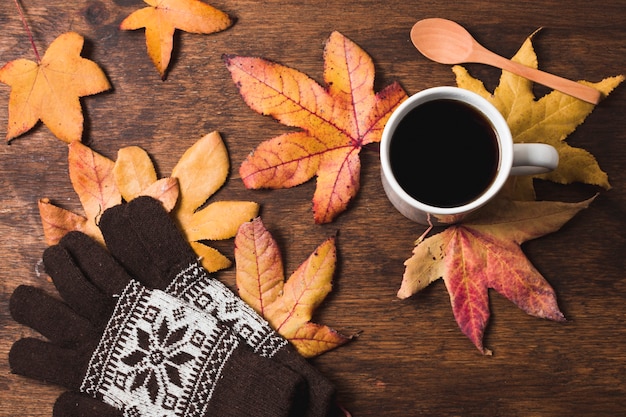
<point x="551" y="119"/>
<point x="50" y="90"/>
<point x="163" y="17"/>
<point x="134" y="175"/>
<point x="200" y="172"/>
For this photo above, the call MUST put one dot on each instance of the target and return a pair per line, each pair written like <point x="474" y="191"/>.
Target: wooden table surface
<point x="410" y="358"/>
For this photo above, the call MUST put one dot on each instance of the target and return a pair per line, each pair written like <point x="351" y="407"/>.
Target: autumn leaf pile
<point x="102" y="183"/>
<point x="332" y="122"/>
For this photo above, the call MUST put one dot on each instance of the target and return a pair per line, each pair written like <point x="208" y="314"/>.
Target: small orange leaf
<point x="314" y="339"/>
<point x="50" y="90"/>
<point x="135" y="176"/>
<point x="305" y="289"/>
<point x="57" y="222"/>
<point x="220" y="220"/>
<point x="260" y="274"/>
<point x="165" y="190"/>
<point x="336" y="122"/>
<point x="133" y="171"/>
<point x="91" y="175"/>
<point x="289" y="306"/>
<point x="163" y="17"/>
<point x="201" y="171"/>
<point x="212" y="260"/>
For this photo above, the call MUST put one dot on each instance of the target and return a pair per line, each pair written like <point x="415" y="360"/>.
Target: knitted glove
<point x="134" y="351"/>
<point x="145" y="240"/>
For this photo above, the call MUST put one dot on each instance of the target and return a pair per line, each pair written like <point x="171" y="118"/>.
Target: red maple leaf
<point x="485" y="253"/>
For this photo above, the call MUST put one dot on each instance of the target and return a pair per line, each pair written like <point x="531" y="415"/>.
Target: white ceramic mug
<point x="414" y="155"/>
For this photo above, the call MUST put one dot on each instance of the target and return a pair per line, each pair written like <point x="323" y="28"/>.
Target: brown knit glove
<point x="144" y="239"/>
<point x="123" y="349"/>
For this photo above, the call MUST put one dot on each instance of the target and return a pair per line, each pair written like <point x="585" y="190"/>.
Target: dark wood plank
<point x="411" y="358"/>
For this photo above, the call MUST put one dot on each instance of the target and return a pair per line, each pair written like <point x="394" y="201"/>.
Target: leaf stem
<point x="426" y="232"/>
<point x="30" y="35"/>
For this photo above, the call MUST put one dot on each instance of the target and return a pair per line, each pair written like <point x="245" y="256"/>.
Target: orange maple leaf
<point x="485" y="253"/>
<point x="163" y="17"/>
<point x="50" y="90"/>
<point x="336" y="122"/>
<point x="289" y="306"/>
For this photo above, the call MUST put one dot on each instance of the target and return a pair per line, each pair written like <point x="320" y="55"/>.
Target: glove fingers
<point x="143" y="237"/>
<point x="49" y="316"/>
<point x="128" y="248"/>
<point x="44" y="361"/>
<point x="76" y="290"/>
<point x="74" y="404"/>
<point x="96" y="264"/>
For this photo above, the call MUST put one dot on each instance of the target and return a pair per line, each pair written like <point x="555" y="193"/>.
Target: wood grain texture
<point x="410" y="357"/>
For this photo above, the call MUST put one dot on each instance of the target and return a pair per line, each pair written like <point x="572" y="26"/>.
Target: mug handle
<point x="534" y="158"/>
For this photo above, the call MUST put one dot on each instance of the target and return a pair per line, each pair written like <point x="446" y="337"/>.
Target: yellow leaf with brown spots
<point x="287" y="306"/>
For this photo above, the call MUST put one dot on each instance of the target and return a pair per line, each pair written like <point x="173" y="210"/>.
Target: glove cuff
<point x="158" y="356"/>
<point x="194" y="286"/>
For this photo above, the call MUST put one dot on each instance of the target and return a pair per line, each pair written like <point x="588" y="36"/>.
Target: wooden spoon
<point x="447" y="42"/>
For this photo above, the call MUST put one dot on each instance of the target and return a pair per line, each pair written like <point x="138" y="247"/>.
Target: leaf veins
<point x="287" y="306"/>
<point x="335" y="122"/>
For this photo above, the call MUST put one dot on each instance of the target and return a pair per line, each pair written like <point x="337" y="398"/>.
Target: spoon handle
<point x="569" y="87"/>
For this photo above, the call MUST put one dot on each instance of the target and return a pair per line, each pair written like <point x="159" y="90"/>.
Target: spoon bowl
<point x="429" y="35"/>
<point x="447" y="42"/>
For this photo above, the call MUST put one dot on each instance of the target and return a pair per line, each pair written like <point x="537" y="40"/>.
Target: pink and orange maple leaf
<point x="335" y="122"/>
<point x="485" y="253"/>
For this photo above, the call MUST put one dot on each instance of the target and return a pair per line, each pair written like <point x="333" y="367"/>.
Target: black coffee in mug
<point x="444" y="153"/>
